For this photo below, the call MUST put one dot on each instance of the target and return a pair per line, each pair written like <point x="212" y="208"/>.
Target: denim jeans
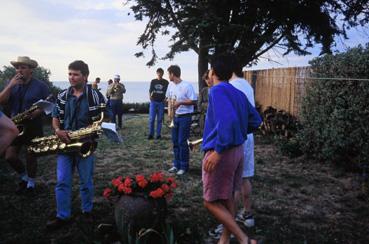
<point x="117" y="109"/>
<point x="156" y="110"/>
<point x="180" y="135"/>
<point x="63" y="190"/>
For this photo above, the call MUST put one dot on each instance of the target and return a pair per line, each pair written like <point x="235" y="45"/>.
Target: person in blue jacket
<point x="230" y="117"/>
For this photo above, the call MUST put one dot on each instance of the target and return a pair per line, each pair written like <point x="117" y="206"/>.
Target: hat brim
<point x="33" y="64"/>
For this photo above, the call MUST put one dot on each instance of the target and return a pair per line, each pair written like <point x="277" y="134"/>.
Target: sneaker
<point x="158" y="137"/>
<point x="246" y="218"/>
<point x="56" y="223"/>
<point x="22" y="186"/>
<point x="173" y="170"/>
<point x="150" y="137"/>
<point x="181" y="172"/>
<point x="217" y="232"/>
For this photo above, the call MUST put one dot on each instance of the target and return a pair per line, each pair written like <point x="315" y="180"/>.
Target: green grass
<point x="295" y="201"/>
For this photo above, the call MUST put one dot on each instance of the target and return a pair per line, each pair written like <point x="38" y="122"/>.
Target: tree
<point x="248" y="28"/>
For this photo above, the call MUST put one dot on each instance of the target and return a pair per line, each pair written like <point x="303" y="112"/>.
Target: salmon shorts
<point x="226" y="178"/>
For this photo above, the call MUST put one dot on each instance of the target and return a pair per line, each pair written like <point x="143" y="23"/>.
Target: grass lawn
<point x="295" y="200"/>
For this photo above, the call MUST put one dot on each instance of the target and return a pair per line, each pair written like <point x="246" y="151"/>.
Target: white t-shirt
<point x="170" y="90"/>
<point x="244" y="86"/>
<point x="180" y="92"/>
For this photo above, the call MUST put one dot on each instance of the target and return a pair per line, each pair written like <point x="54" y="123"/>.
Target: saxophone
<point x="83" y="141"/>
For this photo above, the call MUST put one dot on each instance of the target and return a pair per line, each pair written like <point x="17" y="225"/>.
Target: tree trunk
<point x="202" y="63"/>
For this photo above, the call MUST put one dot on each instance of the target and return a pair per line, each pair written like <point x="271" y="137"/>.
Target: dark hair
<point x="160" y="70"/>
<point x="175" y="70"/>
<point x="222" y="67"/>
<point x="97" y="78"/>
<point x="81" y="66"/>
<point x="236" y="65"/>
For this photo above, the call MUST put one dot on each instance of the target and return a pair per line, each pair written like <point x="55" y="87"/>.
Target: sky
<point x="101" y="33"/>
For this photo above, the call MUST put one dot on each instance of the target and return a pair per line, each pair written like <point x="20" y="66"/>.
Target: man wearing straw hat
<point x="20" y="93"/>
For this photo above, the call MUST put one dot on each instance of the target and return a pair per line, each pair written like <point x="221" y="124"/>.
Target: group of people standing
<point x="227" y="143"/>
<point x="228" y="119"/>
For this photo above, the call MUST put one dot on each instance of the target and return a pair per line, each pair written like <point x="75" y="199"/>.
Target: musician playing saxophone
<point x="20" y="93"/>
<point x="77" y="107"/>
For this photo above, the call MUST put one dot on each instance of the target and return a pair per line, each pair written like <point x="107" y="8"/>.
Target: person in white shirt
<point x="243" y="85"/>
<point x="184" y="107"/>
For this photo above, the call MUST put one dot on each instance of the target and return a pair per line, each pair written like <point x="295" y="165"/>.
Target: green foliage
<point x="335" y="113"/>
<point x="247" y="28"/>
<point x="289" y="146"/>
<point x="39" y="73"/>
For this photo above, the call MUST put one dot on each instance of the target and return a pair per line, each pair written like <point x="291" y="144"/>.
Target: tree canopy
<point x="248" y="28"/>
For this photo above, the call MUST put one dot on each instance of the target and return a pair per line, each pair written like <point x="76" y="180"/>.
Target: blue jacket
<point x="229" y="118"/>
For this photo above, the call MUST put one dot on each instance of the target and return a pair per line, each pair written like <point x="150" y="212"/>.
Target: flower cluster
<point x="155" y="186"/>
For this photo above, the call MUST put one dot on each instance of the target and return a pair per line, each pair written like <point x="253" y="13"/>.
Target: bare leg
<point x="223" y="211"/>
<point x="246" y="189"/>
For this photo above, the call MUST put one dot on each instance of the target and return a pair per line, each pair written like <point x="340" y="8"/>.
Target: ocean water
<point x="136" y="92"/>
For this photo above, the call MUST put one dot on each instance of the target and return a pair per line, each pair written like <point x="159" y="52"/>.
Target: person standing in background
<point x="158" y="88"/>
<point x="115" y="94"/>
<point x="95" y="84"/>
<point x="184" y="107"/>
<point x="202" y="104"/>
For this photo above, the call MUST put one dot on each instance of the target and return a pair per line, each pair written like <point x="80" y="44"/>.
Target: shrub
<point x="335" y="113"/>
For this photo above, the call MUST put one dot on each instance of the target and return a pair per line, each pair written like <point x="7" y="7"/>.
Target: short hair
<point x="175" y="70"/>
<point x="160" y="70"/>
<point x="81" y="66"/>
<point x="236" y="65"/>
<point x="222" y="67"/>
<point x="97" y="78"/>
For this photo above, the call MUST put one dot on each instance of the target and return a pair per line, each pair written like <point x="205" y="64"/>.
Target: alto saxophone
<point x="83" y="141"/>
<point x="21" y="118"/>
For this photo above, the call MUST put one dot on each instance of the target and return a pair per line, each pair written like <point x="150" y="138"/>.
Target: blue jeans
<point x="180" y="135"/>
<point x="117" y="109"/>
<point x="156" y="109"/>
<point x="63" y="190"/>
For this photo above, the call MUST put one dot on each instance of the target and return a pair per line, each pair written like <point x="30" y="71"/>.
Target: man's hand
<point x="211" y="161"/>
<point x="17" y="79"/>
<point x="63" y="135"/>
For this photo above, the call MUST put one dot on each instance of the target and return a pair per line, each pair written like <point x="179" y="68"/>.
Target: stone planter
<point x="134" y="213"/>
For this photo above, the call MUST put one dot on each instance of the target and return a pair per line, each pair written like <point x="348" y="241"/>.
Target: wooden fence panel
<point x="282" y="88"/>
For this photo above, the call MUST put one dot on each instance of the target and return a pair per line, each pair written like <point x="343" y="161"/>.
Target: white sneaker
<point x="217" y="232"/>
<point x="246" y="218"/>
<point x="172" y="170"/>
<point x="181" y="172"/>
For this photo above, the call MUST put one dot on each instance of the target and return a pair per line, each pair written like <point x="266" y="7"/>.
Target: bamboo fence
<point x="282" y="88"/>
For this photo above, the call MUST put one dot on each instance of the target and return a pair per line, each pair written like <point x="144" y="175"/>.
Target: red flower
<point x="173" y="185"/>
<point x="140" y="177"/>
<point x="128" y="182"/>
<point x="117" y="181"/>
<point x="107" y="192"/>
<point x="165" y="187"/>
<point x="157" y="177"/>
<point x="127" y="190"/>
<point x="171" y="180"/>
<point x="142" y="183"/>
<point x="158" y="193"/>
<point x="121" y="187"/>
